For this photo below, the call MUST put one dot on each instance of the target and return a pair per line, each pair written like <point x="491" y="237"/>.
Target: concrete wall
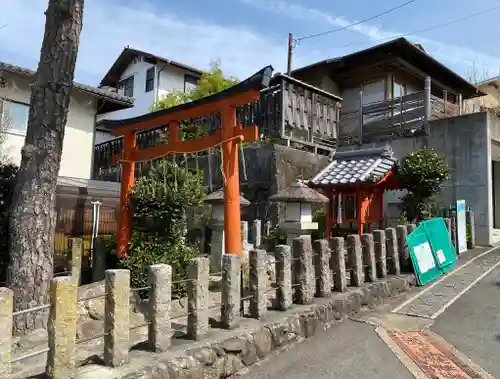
<point x="269" y="168"/>
<point x="78" y="143"/>
<point x="465" y="141"/>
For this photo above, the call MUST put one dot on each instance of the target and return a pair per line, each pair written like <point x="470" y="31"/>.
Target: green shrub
<point x="421" y="173"/>
<point x="319" y="217"/>
<point x="159" y="224"/>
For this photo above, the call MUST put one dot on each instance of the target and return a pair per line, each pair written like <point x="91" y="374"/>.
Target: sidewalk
<point x="411" y="336"/>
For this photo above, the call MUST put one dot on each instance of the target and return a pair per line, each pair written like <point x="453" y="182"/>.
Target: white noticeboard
<point x="461" y="227"/>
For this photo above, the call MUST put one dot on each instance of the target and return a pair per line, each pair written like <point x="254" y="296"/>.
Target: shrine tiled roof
<point x="356" y="167"/>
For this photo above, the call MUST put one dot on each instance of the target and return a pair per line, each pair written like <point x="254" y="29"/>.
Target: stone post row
<point x="302" y="250"/>
<point x="61" y="358"/>
<point x="338" y="264"/>
<point x="283" y="277"/>
<point x="198" y="297"/>
<point x="471" y="241"/>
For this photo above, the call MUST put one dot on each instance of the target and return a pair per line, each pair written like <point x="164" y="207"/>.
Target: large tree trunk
<point x="33" y="214"/>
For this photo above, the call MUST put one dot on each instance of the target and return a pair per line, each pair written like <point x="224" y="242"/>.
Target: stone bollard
<point x="244" y="232"/>
<point x="369" y="262"/>
<point x="257" y="233"/>
<point x="392" y="250"/>
<point x="117" y="317"/>
<point x="61" y="357"/>
<point x="380" y="253"/>
<point x="355" y="258"/>
<point x="160" y="307"/>
<point x="410" y="228"/>
<point x="404" y="253"/>
<point x="471" y="228"/>
<point x="447" y="222"/>
<point x="6" y="305"/>
<point x="338" y="264"/>
<point x="231" y="290"/>
<point x="302" y="250"/>
<point x="198" y="296"/>
<point x="283" y="264"/>
<point x="258" y="283"/>
<point x="322" y="268"/>
<point x="98" y="260"/>
<point x="76" y="259"/>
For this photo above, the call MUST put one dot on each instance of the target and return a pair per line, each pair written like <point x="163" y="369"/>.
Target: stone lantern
<point x="216" y="224"/>
<point x="298" y="199"/>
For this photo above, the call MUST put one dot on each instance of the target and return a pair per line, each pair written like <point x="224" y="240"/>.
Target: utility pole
<point x="290" y="52"/>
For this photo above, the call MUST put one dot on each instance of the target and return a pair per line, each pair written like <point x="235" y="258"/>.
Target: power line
<point x="355" y="23"/>
<point x="421" y="30"/>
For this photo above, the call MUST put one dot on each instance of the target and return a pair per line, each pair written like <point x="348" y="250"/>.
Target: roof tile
<point x="356" y="167"/>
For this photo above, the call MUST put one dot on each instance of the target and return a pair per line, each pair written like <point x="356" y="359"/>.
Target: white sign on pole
<point x="461" y="227"/>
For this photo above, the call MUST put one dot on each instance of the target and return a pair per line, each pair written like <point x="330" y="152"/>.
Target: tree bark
<point x="33" y="213"/>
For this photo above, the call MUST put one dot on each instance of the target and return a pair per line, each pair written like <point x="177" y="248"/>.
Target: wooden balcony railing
<point x="289" y="111"/>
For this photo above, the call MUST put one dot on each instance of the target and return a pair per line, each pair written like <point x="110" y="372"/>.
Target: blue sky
<point x="249" y="34"/>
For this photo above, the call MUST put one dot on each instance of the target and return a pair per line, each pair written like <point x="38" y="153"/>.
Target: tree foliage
<point x="210" y="83"/>
<point x="421" y="173"/>
<point x="8" y="174"/>
<point x="159" y="223"/>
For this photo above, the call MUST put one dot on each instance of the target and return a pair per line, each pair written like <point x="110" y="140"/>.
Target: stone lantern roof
<point x="298" y="192"/>
<point x="217" y="197"/>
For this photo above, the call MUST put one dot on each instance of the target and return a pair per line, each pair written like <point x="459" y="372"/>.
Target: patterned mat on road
<point x="433" y="359"/>
<point x="430" y="302"/>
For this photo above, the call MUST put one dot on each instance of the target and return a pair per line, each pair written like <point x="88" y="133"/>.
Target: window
<point x="15" y="116"/>
<point x="150" y="79"/>
<point x="190" y="82"/>
<point x="398" y="90"/>
<point x="127" y="85"/>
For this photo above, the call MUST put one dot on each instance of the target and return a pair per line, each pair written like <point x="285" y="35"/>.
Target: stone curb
<point x="222" y="359"/>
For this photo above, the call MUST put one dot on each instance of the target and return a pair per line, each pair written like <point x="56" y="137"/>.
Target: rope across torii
<point x="229" y="136"/>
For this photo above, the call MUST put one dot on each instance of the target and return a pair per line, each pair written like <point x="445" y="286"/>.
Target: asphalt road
<point x="349" y="350"/>
<point x="472" y="323"/>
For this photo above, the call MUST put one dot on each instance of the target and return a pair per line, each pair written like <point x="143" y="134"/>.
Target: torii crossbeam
<point x="229" y="136"/>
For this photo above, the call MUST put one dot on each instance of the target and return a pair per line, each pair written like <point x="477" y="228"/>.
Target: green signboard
<point x="431" y="250"/>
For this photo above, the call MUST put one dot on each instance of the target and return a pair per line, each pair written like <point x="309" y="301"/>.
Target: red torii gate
<point x="229" y="136"/>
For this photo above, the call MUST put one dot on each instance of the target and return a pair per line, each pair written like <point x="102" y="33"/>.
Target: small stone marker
<point x="6" y="305"/>
<point x="258" y="283"/>
<point x="257" y="233"/>
<point x="380" y="253"/>
<point x="338" y="264"/>
<point x="160" y="307"/>
<point x="322" y="267"/>
<point x="392" y="251"/>
<point x="355" y="257"/>
<point x="404" y="253"/>
<point x="230" y="291"/>
<point x="284" y="292"/>
<point x="76" y="259"/>
<point x="305" y="271"/>
<point x="98" y="260"/>
<point x="117" y="317"/>
<point x="61" y="358"/>
<point x="198" y="293"/>
<point x="369" y="262"/>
